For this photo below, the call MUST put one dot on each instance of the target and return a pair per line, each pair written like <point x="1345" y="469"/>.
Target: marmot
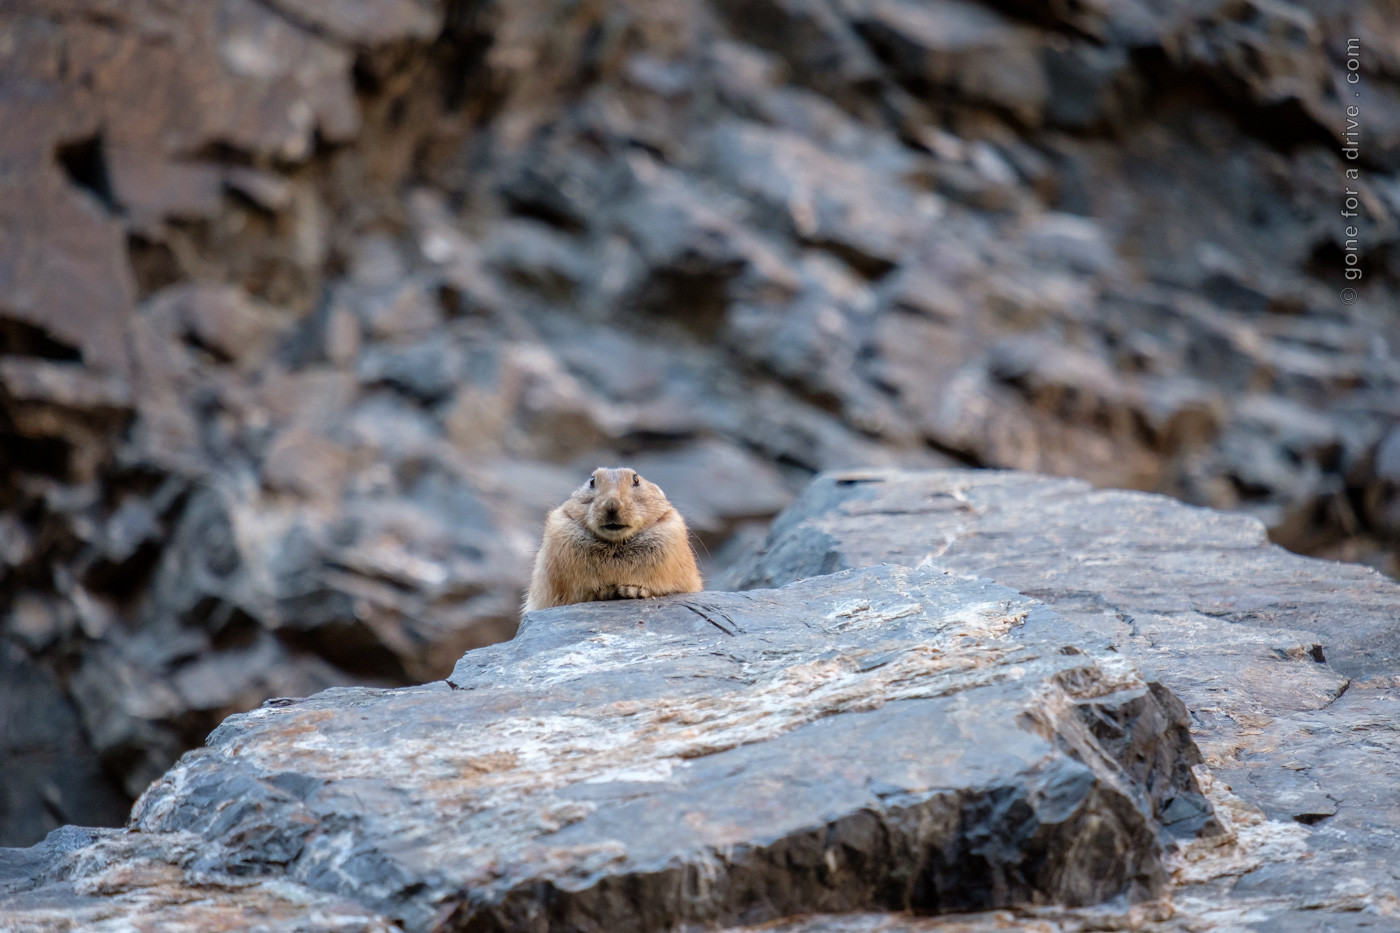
<point x="617" y="537"/>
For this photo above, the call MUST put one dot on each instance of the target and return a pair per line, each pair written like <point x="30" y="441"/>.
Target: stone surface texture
<point x="309" y="311"/>
<point x="879" y="738"/>
<point x="1287" y="664"/>
<point x="1156" y="730"/>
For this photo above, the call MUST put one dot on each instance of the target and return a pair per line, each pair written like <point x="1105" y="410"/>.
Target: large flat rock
<point x="956" y="692"/>
<point x="880" y="739"/>
<point x="1290" y="666"/>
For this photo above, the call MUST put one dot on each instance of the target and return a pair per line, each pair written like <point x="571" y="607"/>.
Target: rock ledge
<point x="890" y="731"/>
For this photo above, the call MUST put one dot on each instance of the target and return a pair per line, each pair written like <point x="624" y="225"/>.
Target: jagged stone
<point x="879" y="737"/>
<point x="802" y="749"/>
<point x="818" y="197"/>
<point x="957" y="46"/>
<point x="1282" y="660"/>
<point x="110" y="882"/>
<point x="885" y="738"/>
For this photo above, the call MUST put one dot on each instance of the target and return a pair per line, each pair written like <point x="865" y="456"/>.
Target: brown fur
<point x="617" y="537"/>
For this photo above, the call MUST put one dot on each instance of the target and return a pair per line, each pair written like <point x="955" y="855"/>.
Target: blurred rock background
<point x="309" y="311"/>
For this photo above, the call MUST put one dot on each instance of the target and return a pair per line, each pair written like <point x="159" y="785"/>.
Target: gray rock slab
<point x="110" y="881"/>
<point x="1287" y="664"/>
<point x="884" y="738"/>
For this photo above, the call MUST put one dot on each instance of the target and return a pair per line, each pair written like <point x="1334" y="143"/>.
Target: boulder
<point x="1155" y="729"/>
<point x="884" y="738"/>
<point x="1283" y="661"/>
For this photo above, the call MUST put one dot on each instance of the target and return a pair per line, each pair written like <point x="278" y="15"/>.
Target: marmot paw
<point x="627" y="591"/>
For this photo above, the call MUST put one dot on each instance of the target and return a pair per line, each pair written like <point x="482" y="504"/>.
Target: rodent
<point x="617" y="537"/>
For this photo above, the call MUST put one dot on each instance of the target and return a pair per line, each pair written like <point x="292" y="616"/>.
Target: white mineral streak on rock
<point x="1250" y="840"/>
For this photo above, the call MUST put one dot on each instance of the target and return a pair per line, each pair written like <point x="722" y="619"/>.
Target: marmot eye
<point x="591" y="484"/>
<point x="636" y="480"/>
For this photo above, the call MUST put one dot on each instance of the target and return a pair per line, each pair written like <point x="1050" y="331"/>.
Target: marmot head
<point x="616" y="504"/>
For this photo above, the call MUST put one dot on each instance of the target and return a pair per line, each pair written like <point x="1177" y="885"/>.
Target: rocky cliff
<point x="1183" y="728"/>
<point x="308" y="311"/>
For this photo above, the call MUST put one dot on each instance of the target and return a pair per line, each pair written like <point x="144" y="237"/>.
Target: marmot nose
<point x="610" y="512"/>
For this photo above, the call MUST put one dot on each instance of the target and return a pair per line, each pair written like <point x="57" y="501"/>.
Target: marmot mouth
<point x="613" y="526"/>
